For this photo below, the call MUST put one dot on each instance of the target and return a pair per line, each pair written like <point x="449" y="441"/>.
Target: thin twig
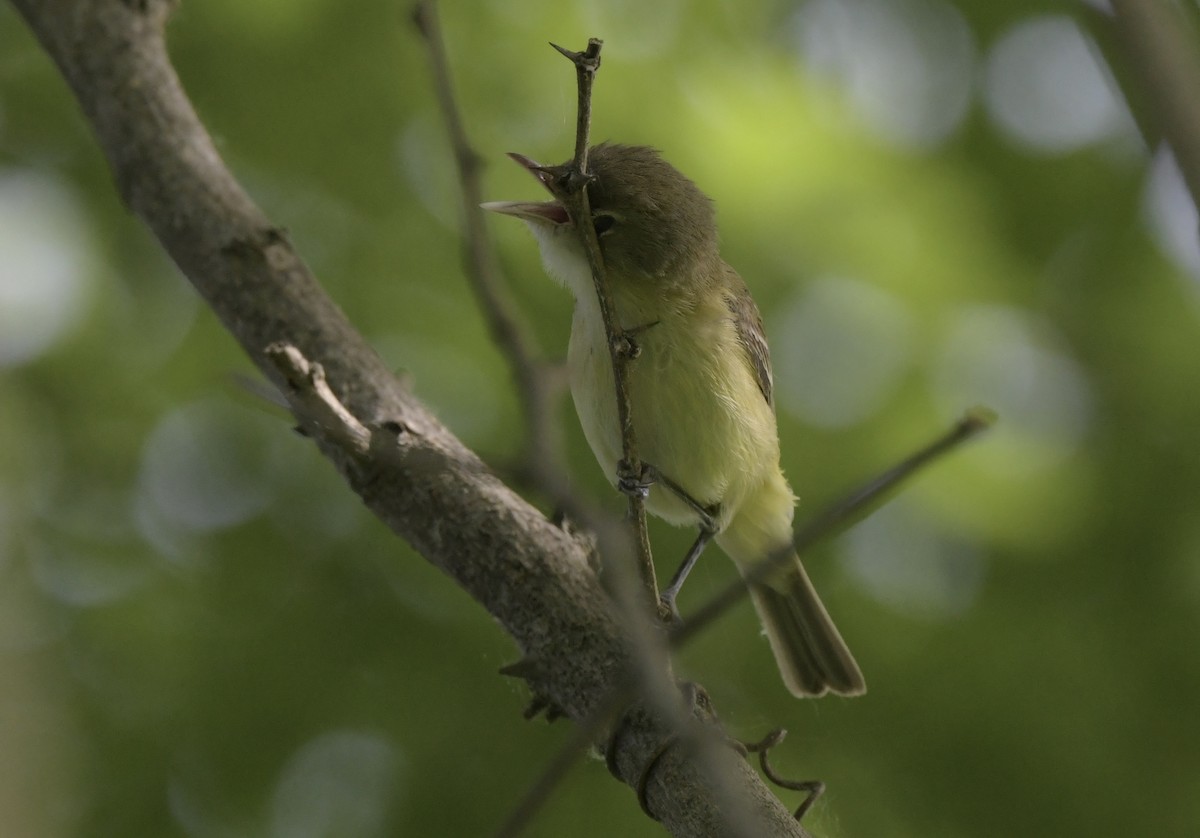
<point x="833" y="519"/>
<point x="651" y="661"/>
<point x="587" y="63"/>
<point x="651" y="671"/>
<point x="537" y="388"/>
<point x="575" y="198"/>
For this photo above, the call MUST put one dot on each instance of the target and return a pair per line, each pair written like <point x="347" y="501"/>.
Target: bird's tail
<point x="810" y="653"/>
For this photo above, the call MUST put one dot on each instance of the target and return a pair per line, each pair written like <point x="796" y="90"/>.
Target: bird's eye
<point x="603" y="223"/>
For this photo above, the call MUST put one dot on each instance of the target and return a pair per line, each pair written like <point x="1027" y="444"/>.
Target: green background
<point x="203" y="633"/>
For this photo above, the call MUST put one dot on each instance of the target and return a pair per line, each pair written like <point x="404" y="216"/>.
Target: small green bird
<point x="700" y="391"/>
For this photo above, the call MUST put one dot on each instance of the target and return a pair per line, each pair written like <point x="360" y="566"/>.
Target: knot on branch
<point x="587" y="61"/>
<point x="625" y="346"/>
<point x="698" y="708"/>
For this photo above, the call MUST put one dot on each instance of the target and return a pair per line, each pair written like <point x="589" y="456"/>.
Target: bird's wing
<point x="749" y="325"/>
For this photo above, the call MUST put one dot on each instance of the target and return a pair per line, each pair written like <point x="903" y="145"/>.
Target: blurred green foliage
<point x="201" y="631"/>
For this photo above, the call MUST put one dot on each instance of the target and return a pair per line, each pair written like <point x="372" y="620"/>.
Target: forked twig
<point x="587" y="63"/>
<point x="650" y="679"/>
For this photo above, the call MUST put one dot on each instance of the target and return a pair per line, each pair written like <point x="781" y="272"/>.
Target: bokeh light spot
<point x="906" y="66"/>
<point x="88" y="553"/>
<point x="340" y="783"/>
<point x="906" y="562"/>
<point x="44" y="258"/>
<point x="1044" y="87"/>
<point x="840" y="349"/>
<point x="1009" y="361"/>
<point x="203" y="467"/>
<point x="1171" y="214"/>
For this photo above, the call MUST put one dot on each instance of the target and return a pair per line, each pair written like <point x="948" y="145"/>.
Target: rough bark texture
<point x="417" y="477"/>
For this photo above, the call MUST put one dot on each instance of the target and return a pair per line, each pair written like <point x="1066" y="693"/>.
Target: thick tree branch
<point x="1160" y="44"/>
<point x="416" y="476"/>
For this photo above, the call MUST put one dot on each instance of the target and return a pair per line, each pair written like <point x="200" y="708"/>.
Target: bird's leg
<point x="669" y="593"/>
<point x="708" y="528"/>
<point x="639" y="484"/>
<point x="707" y="514"/>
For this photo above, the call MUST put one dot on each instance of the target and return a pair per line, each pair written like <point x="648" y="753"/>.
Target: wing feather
<point x="751" y="336"/>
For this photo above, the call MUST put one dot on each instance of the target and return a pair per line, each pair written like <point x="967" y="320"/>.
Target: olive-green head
<point x="649" y="218"/>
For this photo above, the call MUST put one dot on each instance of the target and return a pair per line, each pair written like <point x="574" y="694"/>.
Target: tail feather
<point x="810" y="653"/>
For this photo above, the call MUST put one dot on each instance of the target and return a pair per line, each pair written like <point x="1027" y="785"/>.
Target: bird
<point x="701" y="391"/>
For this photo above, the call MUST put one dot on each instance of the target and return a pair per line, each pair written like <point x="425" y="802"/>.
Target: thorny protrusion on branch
<point x="528" y="671"/>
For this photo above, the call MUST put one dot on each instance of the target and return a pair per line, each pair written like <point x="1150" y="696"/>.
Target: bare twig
<point x="652" y="663"/>
<point x="1161" y="45"/>
<point x="834" y="519"/>
<point x="587" y="63"/>
<point x="575" y="198"/>
<point x="538" y="388"/>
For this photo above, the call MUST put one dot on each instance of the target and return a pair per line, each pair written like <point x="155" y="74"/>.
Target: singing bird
<point x="700" y="389"/>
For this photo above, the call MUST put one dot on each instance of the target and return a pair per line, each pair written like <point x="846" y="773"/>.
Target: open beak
<point x="543" y="212"/>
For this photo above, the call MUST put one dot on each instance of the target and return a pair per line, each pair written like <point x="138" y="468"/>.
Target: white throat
<point x="564" y="259"/>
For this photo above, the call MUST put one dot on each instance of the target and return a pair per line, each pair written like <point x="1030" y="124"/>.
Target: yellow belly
<point x="698" y="413"/>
